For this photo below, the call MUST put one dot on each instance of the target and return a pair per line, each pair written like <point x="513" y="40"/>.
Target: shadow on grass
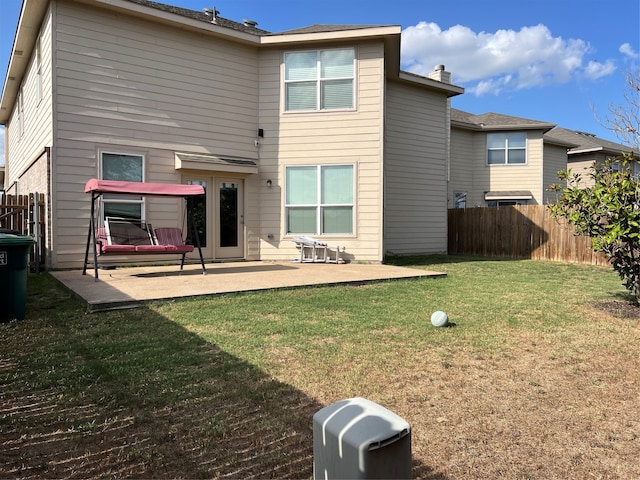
<point x="410" y="260"/>
<point x="131" y="394"/>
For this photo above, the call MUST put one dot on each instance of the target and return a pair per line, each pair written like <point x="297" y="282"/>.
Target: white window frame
<point x="133" y="200"/>
<point x="318" y="205"/>
<point x="506" y="148"/>
<point x="319" y="80"/>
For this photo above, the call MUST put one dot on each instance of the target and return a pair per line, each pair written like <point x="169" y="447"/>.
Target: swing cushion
<point x="171" y="238"/>
<point x="169" y="241"/>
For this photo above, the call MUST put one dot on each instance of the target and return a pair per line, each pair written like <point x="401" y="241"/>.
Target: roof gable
<point x="496" y="121"/>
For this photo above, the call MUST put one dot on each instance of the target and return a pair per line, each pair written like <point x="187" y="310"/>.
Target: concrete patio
<point x="132" y="286"/>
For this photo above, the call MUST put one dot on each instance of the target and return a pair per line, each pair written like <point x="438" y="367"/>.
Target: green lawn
<point x="531" y="381"/>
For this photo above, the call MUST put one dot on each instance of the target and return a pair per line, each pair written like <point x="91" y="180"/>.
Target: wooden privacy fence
<point x="526" y="231"/>
<point x="25" y="215"/>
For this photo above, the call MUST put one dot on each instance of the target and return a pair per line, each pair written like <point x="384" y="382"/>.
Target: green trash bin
<point x="14" y="266"/>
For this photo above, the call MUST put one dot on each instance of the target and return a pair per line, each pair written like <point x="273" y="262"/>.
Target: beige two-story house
<point x="501" y="160"/>
<point x="313" y="132"/>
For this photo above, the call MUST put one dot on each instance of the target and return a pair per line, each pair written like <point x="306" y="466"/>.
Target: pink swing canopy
<point x="96" y="186"/>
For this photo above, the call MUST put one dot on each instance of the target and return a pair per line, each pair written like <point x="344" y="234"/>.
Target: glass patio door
<point x="230" y="218"/>
<point x="198" y="211"/>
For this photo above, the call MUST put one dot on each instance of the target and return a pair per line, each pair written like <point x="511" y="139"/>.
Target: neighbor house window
<point x="506" y="148"/>
<point x="460" y="200"/>
<point x="319" y="80"/>
<point x="319" y="199"/>
<point x="615" y="166"/>
<point x="125" y="167"/>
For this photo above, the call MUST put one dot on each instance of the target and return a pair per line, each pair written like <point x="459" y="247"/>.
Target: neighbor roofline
<point x="604" y="150"/>
<point x="503" y="128"/>
<point x="559" y="143"/>
<point x="587" y="150"/>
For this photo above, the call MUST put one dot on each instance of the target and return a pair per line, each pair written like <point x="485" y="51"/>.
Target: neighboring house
<point x="588" y="149"/>
<point x="313" y="131"/>
<point x="502" y="160"/>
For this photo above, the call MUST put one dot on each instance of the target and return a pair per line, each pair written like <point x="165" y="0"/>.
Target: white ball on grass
<point x="439" y="319"/>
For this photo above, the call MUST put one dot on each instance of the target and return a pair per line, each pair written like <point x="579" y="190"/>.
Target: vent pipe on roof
<point x="213" y="13"/>
<point x="440" y="74"/>
<point x="249" y="23"/>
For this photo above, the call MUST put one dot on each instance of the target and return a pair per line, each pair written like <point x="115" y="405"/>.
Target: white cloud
<point x="627" y="50"/>
<point x="595" y="70"/>
<point x="488" y="63"/>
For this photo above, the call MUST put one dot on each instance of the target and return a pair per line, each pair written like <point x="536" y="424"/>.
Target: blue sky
<point x="559" y="61"/>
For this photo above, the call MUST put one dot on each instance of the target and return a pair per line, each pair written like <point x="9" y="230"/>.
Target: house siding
<point x="126" y="85"/>
<point x="415" y="215"/>
<point x="28" y="148"/>
<point x="312" y="138"/>
<point x="581" y="163"/>
<point x="461" y="167"/>
<point x="555" y="159"/>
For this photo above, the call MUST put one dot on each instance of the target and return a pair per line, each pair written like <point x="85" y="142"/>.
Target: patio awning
<point x="213" y="163"/>
<point x="96" y="186"/>
<point x="508" y="195"/>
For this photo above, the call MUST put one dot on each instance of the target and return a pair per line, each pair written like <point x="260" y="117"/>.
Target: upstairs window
<point x="319" y="199"/>
<point x="319" y="80"/>
<point x="128" y="168"/>
<point x="507" y="148"/>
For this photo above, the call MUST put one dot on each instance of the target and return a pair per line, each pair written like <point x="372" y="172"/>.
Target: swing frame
<point x="175" y="246"/>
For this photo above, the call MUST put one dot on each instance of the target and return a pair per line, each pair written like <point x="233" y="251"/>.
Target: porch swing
<point x="126" y="237"/>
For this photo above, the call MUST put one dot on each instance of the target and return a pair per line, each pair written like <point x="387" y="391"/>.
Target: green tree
<point x="608" y="211"/>
<point x="608" y="207"/>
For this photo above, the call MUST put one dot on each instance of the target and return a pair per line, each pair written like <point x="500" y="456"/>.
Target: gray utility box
<point x="357" y="438"/>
